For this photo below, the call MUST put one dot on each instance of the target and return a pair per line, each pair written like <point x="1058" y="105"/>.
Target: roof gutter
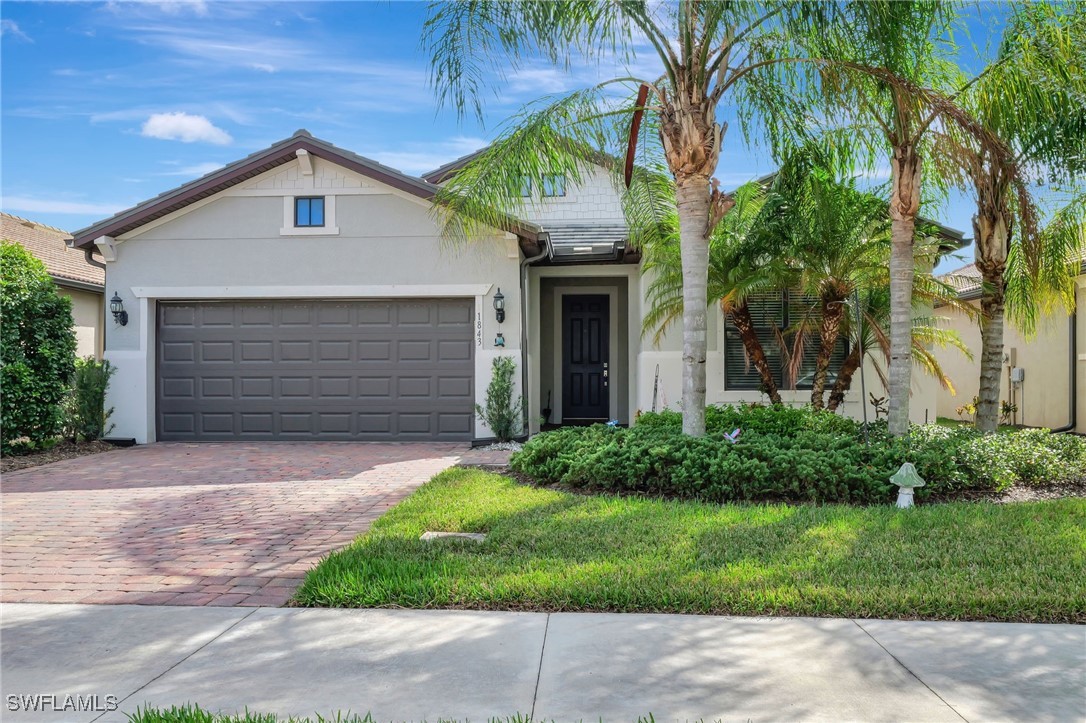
<point x="88" y="254"/>
<point x="1072" y="377"/>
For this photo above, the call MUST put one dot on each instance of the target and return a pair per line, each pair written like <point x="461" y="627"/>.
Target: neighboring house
<point x="74" y="276"/>
<point x="1052" y="389"/>
<point x="305" y="292"/>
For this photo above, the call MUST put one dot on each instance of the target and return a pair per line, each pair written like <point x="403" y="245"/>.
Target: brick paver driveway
<point x="197" y="524"/>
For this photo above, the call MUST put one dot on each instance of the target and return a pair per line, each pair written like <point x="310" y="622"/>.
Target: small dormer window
<point x="554" y="185"/>
<point x="309" y="212"/>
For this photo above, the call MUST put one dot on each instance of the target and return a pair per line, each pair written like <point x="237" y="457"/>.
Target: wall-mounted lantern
<point x="499" y="306"/>
<point x="117" y="307"/>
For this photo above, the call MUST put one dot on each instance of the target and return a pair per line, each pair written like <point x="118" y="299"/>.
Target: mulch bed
<point x="63" y="450"/>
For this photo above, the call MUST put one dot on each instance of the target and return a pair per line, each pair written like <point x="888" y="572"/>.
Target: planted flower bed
<point x="791" y="454"/>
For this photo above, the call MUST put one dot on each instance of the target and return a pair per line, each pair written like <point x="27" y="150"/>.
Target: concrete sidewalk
<point x="414" y="665"/>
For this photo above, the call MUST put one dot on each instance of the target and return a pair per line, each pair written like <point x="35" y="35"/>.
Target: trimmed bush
<point x="502" y="413"/>
<point x="792" y="454"/>
<point x="37" y="351"/>
<point x="86" y="416"/>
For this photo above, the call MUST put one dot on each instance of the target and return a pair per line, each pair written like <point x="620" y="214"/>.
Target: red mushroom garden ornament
<point x="906" y="480"/>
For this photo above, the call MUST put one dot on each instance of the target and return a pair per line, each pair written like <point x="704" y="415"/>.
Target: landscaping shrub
<point x="792" y="454"/>
<point x="37" y="351"/>
<point x="502" y="413"/>
<point x="85" y="410"/>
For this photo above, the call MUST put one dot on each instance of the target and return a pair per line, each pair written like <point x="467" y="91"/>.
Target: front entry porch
<point x="581" y="361"/>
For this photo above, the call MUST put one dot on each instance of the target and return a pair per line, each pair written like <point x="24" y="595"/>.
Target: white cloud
<point x="419" y="158"/>
<point x="265" y="67"/>
<point x="10" y="27"/>
<point x="186" y="128"/>
<point x="199" y="169"/>
<point x="169" y="7"/>
<point x="43" y="205"/>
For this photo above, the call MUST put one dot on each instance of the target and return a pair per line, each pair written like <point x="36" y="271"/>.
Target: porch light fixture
<point x="499" y="306"/>
<point x="117" y="307"/>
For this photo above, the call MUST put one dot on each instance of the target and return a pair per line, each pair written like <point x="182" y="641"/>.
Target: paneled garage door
<point x="293" y="370"/>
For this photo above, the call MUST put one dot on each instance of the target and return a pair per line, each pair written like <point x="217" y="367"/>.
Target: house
<point x="1049" y="388"/>
<point x="306" y="292"/>
<point x="76" y="277"/>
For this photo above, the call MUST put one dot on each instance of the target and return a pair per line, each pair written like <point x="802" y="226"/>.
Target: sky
<point x="106" y="104"/>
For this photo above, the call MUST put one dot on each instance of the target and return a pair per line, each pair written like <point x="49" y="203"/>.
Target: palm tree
<point x="708" y="54"/>
<point x="894" y="72"/>
<point x="835" y="238"/>
<point x="867" y="326"/>
<point x="811" y="234"/>
<point x="736" y="272"/>
<point x="1035" y="101"/>
<point x="704" y="50"/>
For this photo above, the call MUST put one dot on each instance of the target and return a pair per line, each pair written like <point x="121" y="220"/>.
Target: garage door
<point x="294" y="370"/>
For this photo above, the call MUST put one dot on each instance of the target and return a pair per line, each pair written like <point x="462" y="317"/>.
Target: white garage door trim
<point x="133" y="394"/>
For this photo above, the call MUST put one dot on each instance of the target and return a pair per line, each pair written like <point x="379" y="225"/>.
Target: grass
<point x="555" y="551"/>
<point x="948" y="422"/>
<point x="190" y="713"/>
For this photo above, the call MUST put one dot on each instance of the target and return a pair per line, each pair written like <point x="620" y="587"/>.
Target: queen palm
<point x="1035" y="101"/>
<point x="706" y="54"/>
<point x="893" y="83"/>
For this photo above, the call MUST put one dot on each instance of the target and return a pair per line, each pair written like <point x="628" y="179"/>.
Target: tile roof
<point x="49" y="245"/>
<point x="965" y="280"/>
<point x="254" y="164"/>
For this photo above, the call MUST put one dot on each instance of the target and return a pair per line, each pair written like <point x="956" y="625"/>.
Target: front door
<point x="585" y="357"/>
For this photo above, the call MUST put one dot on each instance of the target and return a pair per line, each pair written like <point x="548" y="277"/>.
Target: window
<point x="774" y="314"/>
<point x="309" y="211"/>
<point x="554" y="184"/>
<point x="525" y="186"/>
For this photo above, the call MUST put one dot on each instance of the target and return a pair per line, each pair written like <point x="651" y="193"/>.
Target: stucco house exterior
<point x="306" y="292"/>
<point x="1050" y="388"/>
<point x="75" y="277"/>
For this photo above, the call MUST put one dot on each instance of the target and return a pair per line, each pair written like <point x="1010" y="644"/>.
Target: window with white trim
<point x="309" y="211"/>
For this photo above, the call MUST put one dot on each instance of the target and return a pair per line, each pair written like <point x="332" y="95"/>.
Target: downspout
<point x="88" y="254"/>
<point x="544" y="243"/>
<point x="1072" y="378"/>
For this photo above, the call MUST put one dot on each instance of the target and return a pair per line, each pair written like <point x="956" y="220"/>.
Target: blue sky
<point x="108" y="104"/>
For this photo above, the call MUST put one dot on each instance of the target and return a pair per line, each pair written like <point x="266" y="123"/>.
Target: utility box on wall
<point x="1018" y="375"/>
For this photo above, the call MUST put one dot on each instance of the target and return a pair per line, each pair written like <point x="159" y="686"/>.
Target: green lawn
<point x="549" y="550"/>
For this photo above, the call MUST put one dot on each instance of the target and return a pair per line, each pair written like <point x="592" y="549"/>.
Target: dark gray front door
<point x="354" y="370"/>
<point x="585" y="357"/>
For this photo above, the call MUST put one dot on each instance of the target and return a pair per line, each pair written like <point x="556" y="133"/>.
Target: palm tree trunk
<point x="904" y="207"/>
<point x="692" y="196"/>
<point x="844" y="378"/>
<point x="744" y="324"/>
<point x="833" y="311"/>
<point x="991" y="230"/>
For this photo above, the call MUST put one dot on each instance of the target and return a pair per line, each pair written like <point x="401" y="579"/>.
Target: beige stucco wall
<point x="1043" y="397"/>
<point x="234" y="246"/>
<point x="87" y="310"/>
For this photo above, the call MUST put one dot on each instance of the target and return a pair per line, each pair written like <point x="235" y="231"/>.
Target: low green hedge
<point x="792" y="454"/>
